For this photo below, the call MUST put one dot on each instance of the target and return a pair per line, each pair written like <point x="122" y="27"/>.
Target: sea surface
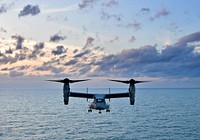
<point x="39" y="114"/>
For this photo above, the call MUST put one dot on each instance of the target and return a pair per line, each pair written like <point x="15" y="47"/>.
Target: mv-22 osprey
<point x="99" y="102"/>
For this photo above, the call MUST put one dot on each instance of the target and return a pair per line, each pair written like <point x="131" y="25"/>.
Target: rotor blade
<point x="61" y="81"/>
<point x="131" y="81"/>
<point x="74" y="81"/>
<point x="66" y="80"/>
<point x="121" y="81"/>
<point x="140" y="81"/>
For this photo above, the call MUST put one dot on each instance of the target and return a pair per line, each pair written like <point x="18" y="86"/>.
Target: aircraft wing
<point x="81" y="95"/>
<point x="117" y="95"/>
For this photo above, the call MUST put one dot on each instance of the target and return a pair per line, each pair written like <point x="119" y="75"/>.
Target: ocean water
<point x="33" y="114"/>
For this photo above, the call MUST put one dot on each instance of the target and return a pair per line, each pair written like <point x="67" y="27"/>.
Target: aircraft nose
<point x="100" y="106"/>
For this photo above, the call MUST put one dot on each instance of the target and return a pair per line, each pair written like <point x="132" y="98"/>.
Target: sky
<point x="152" y="40"/>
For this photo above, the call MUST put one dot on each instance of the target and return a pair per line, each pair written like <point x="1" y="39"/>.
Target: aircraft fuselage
<point x="99" y="103"/>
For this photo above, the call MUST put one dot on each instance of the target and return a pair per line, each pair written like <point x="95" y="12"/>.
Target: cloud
<point x="7" y="69"/>
<point x="84" y="69"/>
<point x="19" y="68"/>
<point x="71" y="62"/>
<point x="106" y="16"/>
<point x="107" y="4"/>
<point x="53" y="69"/>
<point x="59" y="50"/>
<point x="110" y="3"/>
<point x="11" y="56"/>
<point x="89" y="42"/>
<point x="23" y="67"/>
<point x="3" y="8"/>
<point x="175" y="61"/>
<point x="1" y="54"/>
<point x="38" y="46"/>
<point x="135" y="25"/>
<point x="15" y="73"/>
<point x="51" y="61"/>
<point x="20" y="56"/>
<point x="7" y="59"/>
<point x="37" y="50"/>
<point x="57" y="38"/>
<point x="29" y="10"/>
<point x="60" y="10"/>
<point x="145" y="10"/>
<point x="20" y="41"/>
<point x="9" y="51"/>
<point x="82" y="54"/>
<point x="161" y="13"/>
<point x="3" y="30"/>
<point x="39" y="59"/>
<point x="132" y="39"/>
<point x="86" y="3"/>
<point x="116" y="38"/>
<point x="75" y="51"/>
<point x="189" y="38"/>
<point x="178" y="60"/>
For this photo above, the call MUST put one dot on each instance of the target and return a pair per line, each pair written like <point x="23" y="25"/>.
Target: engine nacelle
<point x="66" y="92"/>
<point x="132" y="94"/>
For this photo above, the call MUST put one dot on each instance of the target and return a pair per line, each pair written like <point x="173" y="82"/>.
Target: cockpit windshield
<point x="99" y="100"/>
